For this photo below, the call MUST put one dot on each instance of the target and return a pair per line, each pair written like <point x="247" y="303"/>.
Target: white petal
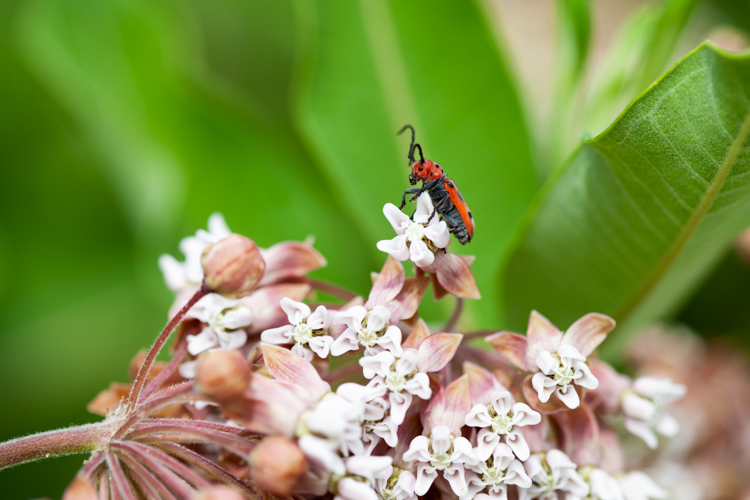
<point x="502" y="401"/>
<point x="546" y="362"/>
<point x="347" y="341"/>
<point x="352" y="317"/>
<point x="568" y="396"/>
<point x="232" y="340"/>
<point x="173" y="271"/>
<point x="418" y="450"/>
<point x="487" y="441"/>
<point x="280" y="335"/>
<point x="419" y="385"/>
<point x="455" y="475"/>
<point x="438" y="233"/>
<point x="662" y="390"/>
<point x="187" y="369"/>
<point x="379" y="317"/>
<point x="321" y="345"/>
<point x="667" y="425"/>
<point x="524" y="415"/>
<point x="320" y="319"/>
<point x="584" y="377"/>
<point x="479" y="416"/>
<point x="205" y="340"/>
<point x="391" y="340"/>
<point x="388" y="430"/>
<point x="441" y="439"/>
<point x="295" y="311"/>
<point x="570" y="352"/>
<point x="604" y="486"/>
<point x="541" y="385"/>
<point x="575" y="484"/>
<point x="350" y="489"/>
<point x="638" y="486"/>
<point x="408" y="362"/>
<point x="426" y="475"/>
<point x="368" y="467"/>
<point x="642" y="430"/>
<point x="303" y="352"/>
<point x="395" y="247"/>
<point x="319" y="451"/>
<point x="377" y="364"/>
<point x="420" y="254"/>
<point x="637" y="407"/>
<point x="400" y="402"/>
<point x="515" y="474"/>
<point x="424" y="209"/>
<point x="463" y="452"/>
<point x="518" y="444"/>
<point x="239" y="317"/>
<point x="217" y="226"/>
<point x="396" y="217"/>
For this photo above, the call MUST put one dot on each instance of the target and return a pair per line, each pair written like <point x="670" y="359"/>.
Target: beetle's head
<point x="425" y="170"/>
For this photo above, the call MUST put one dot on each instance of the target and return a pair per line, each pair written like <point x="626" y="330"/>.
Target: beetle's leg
<point x="403" y="197"/>
<point x="426" y="187"/>
<point x="438" y="206"/>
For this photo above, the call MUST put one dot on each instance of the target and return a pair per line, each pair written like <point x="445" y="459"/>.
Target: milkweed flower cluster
<point x="275" y="395"/>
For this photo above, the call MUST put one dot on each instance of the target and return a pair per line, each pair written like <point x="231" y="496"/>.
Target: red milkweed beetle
<point x="444" y="194"/>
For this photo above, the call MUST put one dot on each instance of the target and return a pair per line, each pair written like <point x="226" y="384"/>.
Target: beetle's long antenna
<point x="420" y="152"/>
<point x="411" y="147"/>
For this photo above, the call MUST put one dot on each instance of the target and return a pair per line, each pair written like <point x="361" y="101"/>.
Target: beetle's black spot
<point x="470" y="216"/>
<point x="421" y="168"/>
<point x="450" y="185"/>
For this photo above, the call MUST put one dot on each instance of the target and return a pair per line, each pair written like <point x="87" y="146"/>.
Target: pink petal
<point x="388" y="283"/>
<point x="455" y="275"/>
<point x="288" y="367"/>
<point x="579" y="435"/>
<point x="276" y="407"/>
<point x="542" y="336"/>
<point x="482" y="383"/>
<point x="437" y="289"/>
<point x="588" y="332"/>
<point x="290" y="259"/>
<point x="437" y="350"/>
<point x="514" y="347"/>
<point x="265" y="304"/>
<point x="448" y="406"/>
<point x="405" y="304"/>
<point x="417" y="335"/>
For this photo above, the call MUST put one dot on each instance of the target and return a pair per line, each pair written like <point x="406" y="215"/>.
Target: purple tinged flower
<point x="551" y="473"/>
<point x="495" y="473"/>
<point x="308" y="330"/>
<point x="500" y="420"/>
<point x="417" y="240"/>
<point x="371" y="329"/>
<point x="644" y="408"/>
<point x="557" y="361"/>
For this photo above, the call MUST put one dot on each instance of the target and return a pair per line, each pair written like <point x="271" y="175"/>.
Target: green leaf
<point x="367" y="68"/>
<point x="643" y="211"/>
<point x="575" y="24"/>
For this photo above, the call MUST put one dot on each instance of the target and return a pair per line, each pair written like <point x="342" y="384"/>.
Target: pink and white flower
<point x="500" y="420"/>
<point x="552" y="473"/>
<point x="399" y="485"/>
<point x="644" y="408"/>
<point x="308" y="330"/>
<point x="557" y="361"/>
<point x="371" y="329"/>
<point x="495" y="473"/>
<point x="637" y="485"/>
<point x="416" y="239"/>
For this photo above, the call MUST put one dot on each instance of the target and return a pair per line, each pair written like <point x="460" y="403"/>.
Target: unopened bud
<point x="80" y="489"/>
<point x="217" y="493"/>
<point x="232" y="266"/>
<point x="223" y="375"/>
<point x="277" y="465"/>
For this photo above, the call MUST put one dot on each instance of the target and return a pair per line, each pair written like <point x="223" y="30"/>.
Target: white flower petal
<point x="391" y="340"/>
<point x="487" y="441"/>
<point x="583" y="376"/>
<point x="218" y="227"/>
<point x="303" y="352"/>
<point x="541" y="385"/>
<point x="400" y="402"/>
<point x="455" y="475"/>
<point x="418" y="450"/>
<point x="546" y="362"/>
<point x="667" y="425"/>
<point x="295" y="311"/>
<point x="438" y="233"/>
<point x="518" y="444"/>
<point x="568" y="396"/>
<point x="396" y="217"/>
<point x="379" y="317"/>
<point x="320" y="319"/>
<point x="347" y="341"/>
<point x="321" y="345"/>
<point x="419" y="385"/>
<point x="350" y="489"/>
<point x="377" y="364"/>
<point x="280" y="335"/>
<point x="395" y="247"/>
<point x="479" y="416"/>
<point x="173" y="271"/>
<point x="352" y="317"/>
<point x="426" y="475"/>
<point x="642" y="430"/>
<point x="206" y="339"/>
<point x="420" y="254"/>
<point x="232" y="340"/>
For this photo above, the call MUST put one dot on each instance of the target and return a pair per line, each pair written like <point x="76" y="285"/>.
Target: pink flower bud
<point x="80" y="489"/>
<point x="232" y="266"/>
<point x="277" y="465"/>
<point x="223" y="375"/>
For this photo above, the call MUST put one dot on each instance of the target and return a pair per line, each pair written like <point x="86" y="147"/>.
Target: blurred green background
<point x="125" y="123"/>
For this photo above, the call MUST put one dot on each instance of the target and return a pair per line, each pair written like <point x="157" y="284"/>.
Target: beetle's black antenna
<point x="417" y="146"/>
<point x="411" y="147"/>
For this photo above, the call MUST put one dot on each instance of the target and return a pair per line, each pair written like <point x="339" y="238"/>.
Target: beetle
<point x="445" y="196"/>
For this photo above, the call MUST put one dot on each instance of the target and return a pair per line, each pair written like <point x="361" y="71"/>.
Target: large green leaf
<point x="367" y="68"/>
<point x="642" y="211"/>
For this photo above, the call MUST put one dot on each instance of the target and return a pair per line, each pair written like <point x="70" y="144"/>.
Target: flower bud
<point x="217" y="493"/>
<point x="277" y="465"/>
<point x="223" y="375"/>
<point x="80" y="489"/>
<point x="232" y="266"/>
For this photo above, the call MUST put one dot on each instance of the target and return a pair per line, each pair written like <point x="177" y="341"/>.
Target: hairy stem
<point x="82" y="439"/>
<point x="140" y="379"/>
<point x="166" y="372"/>
<point x="177" y="394"/>
<point x="333" y="290"/>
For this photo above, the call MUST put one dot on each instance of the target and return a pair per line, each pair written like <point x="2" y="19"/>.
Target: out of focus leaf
<point x="173" y="134"/>
<point x="575" y="24"/>
<point x="644" y="210"/>
<point x="368" y="68"/>
<point x="642" y="50"/>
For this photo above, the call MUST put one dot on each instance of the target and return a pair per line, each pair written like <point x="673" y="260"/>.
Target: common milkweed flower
<point x="308" y="330"/>
<point x="644" y="408"/>
<point x="418" y="238"/>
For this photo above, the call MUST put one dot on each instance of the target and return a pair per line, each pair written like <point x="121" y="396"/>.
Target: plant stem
<point x="451" y="324"/>
<point x="333" y="290"/>
<point x="166" y="372"/>
<point x="478" y="334"/>
<point x="140" y="379"/>
<point x="68" y="441"/>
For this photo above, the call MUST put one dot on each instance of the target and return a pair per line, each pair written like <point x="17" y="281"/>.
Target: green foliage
<point x="643" y="211"/>
<point x="367" y="69"/>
